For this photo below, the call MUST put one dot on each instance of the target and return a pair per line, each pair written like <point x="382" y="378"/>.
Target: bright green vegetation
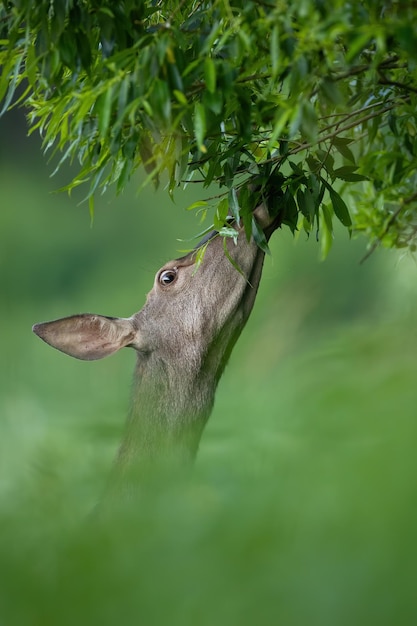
<point x="310" y="105"/>
<point x="301" y="508"/>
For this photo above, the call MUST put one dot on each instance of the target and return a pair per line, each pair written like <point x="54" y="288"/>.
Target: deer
<point x="183" y="337"/>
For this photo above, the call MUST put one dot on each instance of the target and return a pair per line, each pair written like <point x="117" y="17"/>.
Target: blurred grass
<point x="301" y="508"/>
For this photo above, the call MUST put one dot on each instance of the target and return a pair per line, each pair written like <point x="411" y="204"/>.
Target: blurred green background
<point x="302" y="505"/>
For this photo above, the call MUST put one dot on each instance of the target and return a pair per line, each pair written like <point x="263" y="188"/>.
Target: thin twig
<point x="347" y="116"/>
<point x="388" y="225"/>
<point x="306" y="146"/>
<point x="337" y="132"/>
<point x="395" y="83"/>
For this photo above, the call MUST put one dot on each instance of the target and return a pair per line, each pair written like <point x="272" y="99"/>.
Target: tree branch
<point x="388" y="225"/>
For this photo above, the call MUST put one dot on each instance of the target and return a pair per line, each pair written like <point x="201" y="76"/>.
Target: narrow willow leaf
<point x="161" y="100"/>
<point x="234" y="205"/>
<point x="327" y="217"/>
<point x="306" y="225"/>
<point x="308" y="122"/>
<point x="326" y="232"/>
<point x="214" y="101"/>
<point x="179" y="95"/>
<point x="301" y="202"/>
<point x="91" y="208"/>
<point x="274" y="50"/>
<point x="214" y="170"/>
<point x="4" y="78"/>
<point x="342" y="145"/>
<point x="309" y="204"/>
<point x="340" y="208"/>
<point x="296" y="168"/>
<point x="248" y="200"/>
<point x="357" y="45"/>
<point x="313" y="163"/>
<point x="191" y="67"/>
<point x="200" y="126"/>
<point x="232" y="261"/>
<point x="95" y="183"/>
<point x="230" y="232"/>
<point x="196" y="205"/>
<point x="210" y="74"/>
<point x="290" y="211"/>
<point x="181" y="159"/>
<point x="392" y="123"/>
<point x="279" y="126"/>
<point x="122" y="99"/>
<point x="331" y="91"/>
<point x="199" y="257"/>
<point x="176" y="77"/>
<point x="145" y="148"/>
<point x="123" y="176"/>
<point x="12" y="85"/>
<point x="221" y="214"/>
<point x="31" y="65"/>
<point x="348" y="173"/>
<point x="259" y="237"/>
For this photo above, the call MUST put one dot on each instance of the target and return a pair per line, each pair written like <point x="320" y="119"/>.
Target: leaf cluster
<point x="309" y="106"/>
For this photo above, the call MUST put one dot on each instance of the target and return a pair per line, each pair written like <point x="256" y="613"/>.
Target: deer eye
<point x="167" y="277"/>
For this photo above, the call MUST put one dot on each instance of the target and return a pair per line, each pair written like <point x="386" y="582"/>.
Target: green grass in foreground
<point x="301" y="509"/>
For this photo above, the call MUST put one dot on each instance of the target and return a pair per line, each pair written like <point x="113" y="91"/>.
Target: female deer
<point x="183" y="337"/>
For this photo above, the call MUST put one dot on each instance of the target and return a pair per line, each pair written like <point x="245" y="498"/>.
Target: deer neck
<point x="169" y="409"/>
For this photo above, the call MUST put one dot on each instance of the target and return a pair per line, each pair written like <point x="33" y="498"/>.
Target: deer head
<point x="183" y="337"/>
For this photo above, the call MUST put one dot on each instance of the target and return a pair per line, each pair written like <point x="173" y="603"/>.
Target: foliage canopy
<point x="308" y="105"/>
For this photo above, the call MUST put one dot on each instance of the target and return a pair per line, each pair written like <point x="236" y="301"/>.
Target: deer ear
<point x="87" y="337"/>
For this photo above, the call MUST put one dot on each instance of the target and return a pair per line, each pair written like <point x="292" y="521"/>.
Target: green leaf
<point x="348" y="173"/>
<point x="234" y="205"/>
<point x="301" y="202"/>
<point x="214" y="101"/>
<point x="259" y="237"/>
<point x="210" y="74"/>
<point x="91" y="208"/>
<point x="309" y="204"/>
<point x="331" y="91"/>
<point x="31" y="67"/>
<point x="229" y="257"/>
<point x="200" y="126"/>
<point x="104" y="109"/>
<point x="196" y="205"/>
<point x="180" y="97"/>
<point x="230" y="232"/>
<point x="326" y="231"/>
<point x="199" y="257"/>
<point x="342" y="145"/>
<point x="327" y="217"/>
<point x="279" y="125"/>
<point x="392" y="123"/>
<point x="15" y="80"/>
<point x="340" y="208"/>
<point x="296" y="168"/>
<point x="308" y="121"/>
<point x="290" y="211"/>
<point x="356" y="46"/>
<point x="124" y="175"/>
<point x="221" y="214"/>
<point x="274" y="50"/>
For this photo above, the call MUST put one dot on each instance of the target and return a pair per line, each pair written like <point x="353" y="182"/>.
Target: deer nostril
<point x="167" y="277"/>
